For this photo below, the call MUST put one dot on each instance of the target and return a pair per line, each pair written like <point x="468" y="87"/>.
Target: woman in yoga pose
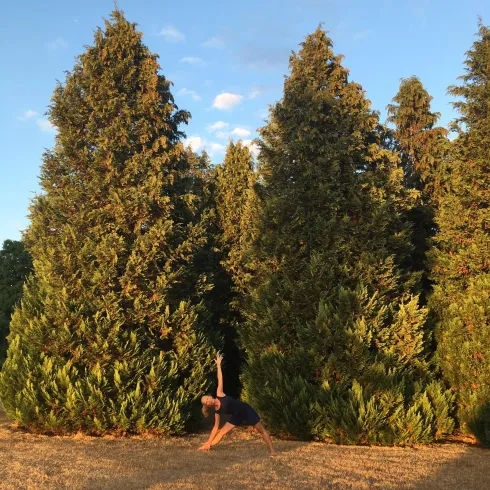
<point x="241" y="414"/>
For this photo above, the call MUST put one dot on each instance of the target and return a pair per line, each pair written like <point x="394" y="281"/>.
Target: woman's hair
<point x="207" y="410"/>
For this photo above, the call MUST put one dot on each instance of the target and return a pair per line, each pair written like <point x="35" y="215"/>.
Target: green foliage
<point x="210" y="262"/>
<point x="15" y="265"/>
<point x="422" y="145"/>
<point x="112" y="332"/>
<point x="424" y="153"/>
<point x="332" y="322"/>
<point x="460" y="258"/>
<point x="480" y="424"/>
<point x="235" y="207"/>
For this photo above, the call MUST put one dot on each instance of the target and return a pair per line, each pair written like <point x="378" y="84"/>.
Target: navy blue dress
<point x="241" y="413"/>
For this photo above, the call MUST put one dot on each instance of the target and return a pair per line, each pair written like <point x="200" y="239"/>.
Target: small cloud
<point x="192" y="60"/>
<point x="59" y="43"/>
<point x="361" y="35"/>
<point x="254" y="149"/>
<point x="217" y="125"/>
<point x="172" y="35"/>
<point x="197" y="143"/>
<point x="241" y="132"/>
<point x="226" y="101"/>
<point x="45" y="126"/>
<point x="27" y="115"/>
<point x="216" y="147"/>
<point x="222" y="135"/>
<point x="192" y="93"/>
<point x="255" y="92"/>
<point x="215" y="42"/>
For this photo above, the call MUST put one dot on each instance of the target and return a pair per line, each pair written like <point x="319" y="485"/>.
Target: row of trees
<point x="345" y="273"/>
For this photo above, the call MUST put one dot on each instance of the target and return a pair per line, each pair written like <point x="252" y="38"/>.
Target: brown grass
<point x="30" y="461"/>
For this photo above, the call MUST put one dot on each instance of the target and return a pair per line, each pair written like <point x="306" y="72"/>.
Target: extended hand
<point x="219" y="358"/>
<point x="205" y="447"/>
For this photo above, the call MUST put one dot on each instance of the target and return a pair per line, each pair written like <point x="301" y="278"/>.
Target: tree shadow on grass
<point x="456" y="466"/>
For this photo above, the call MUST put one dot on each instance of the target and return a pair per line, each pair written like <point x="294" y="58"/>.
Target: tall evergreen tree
<point x="111" y="333"/>
<point x="423" y="149"/>
<point x="236" y="206"/>
<point x="210" y="262"/>
<point x="15" y="265"/>
<point x="460" y="259"/>
<point x="334" y="336"/>
<point x="421" y="143"/>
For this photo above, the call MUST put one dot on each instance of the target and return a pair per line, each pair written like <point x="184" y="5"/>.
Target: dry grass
<point x="41" y="462"/>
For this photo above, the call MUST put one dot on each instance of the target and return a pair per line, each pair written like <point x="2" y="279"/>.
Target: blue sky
<point x="227" y="60"/>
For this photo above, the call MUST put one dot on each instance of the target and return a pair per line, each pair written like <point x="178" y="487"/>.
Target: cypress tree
<point x="15" y="265"/>
<point x="111" y="333"/>
<point x="460" y="259"/>
<point x="236" y="205"/>
<point x="420" y="142"/>
<point x="334" y="336"/>
<point x="423" y="152"/>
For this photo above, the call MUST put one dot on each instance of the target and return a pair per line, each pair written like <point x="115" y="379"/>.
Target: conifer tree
<point x="460" y="259"/>
<point x="111" y="333"/>
<point x="421" y="143"/>
<point x="423" y="150"/>
<point x="236" y="206"/>
<point x="334" y="338"/>
<point x="210" y="262"/>
<point x="15" y="265"/>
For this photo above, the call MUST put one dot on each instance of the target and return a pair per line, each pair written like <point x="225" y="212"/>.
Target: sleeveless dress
<point x="241" y="413"/>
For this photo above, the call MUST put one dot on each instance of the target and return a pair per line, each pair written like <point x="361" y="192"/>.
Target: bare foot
<point x="273" y="453"/>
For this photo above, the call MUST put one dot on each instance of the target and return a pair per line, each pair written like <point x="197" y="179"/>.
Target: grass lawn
<point x="30" y="461"/>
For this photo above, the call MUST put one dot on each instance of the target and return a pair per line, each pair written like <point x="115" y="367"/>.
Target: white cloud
<point x="192" y="60"/>
<point x="27" y="115"/>
<point x="45" y="126"/>
<point x="215" y="42"/>
<point x="217" y="125"/>
<point x="222" y="135"/>
<point x="216" y="147"/>
<point x="254" y="149"/>
<point x="197" y="143"/>
<point x="192" y="93"/>
<point x="241" y="132"/>
<point x="255" y="92"/>
<point x="226" y="101"/>
<point x="57" y="44"/>
<point x="171" y="34"/>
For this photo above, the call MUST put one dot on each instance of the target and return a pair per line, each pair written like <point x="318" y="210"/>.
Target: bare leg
<point x="267" y="438"/>
<point x="224" y="430"/>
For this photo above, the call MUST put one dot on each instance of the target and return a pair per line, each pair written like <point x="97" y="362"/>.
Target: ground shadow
<point x="467" y="468"/>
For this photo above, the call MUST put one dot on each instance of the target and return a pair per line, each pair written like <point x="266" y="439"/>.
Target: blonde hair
<point x="205" y="409"/>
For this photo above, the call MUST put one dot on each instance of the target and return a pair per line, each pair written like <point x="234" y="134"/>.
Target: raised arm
<point x="219" y="391"/>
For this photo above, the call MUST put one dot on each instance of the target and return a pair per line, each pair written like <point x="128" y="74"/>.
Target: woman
<point x="241" y="414"/>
